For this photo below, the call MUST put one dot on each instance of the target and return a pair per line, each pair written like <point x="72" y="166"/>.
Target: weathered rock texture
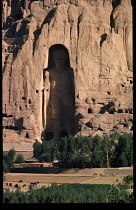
<point x="97" y="36"/>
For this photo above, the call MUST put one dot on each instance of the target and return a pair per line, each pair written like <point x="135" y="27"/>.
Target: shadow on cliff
<point x="103" y="38"/>
<point x="38" y="31"/>
<point x="106" y="108"/>
<point x="77" y="126"/>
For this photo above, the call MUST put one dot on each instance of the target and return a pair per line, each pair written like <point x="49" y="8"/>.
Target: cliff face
<point x="97" y="36"/>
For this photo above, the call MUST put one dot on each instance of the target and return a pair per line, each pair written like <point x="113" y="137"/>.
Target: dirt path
<point x="47" y="178"/>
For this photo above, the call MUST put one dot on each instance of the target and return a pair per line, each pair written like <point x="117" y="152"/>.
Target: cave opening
<point x="27" y="135"/>
<point x="90" y="111"/>
<point x="111" y="112"/>
<point x="120" y="111"/>
<point x="100" y="129"/>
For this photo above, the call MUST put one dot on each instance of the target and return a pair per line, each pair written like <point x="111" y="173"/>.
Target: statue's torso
<point x="60" y="82"/>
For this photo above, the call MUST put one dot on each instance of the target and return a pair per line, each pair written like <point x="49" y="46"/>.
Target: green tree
<point x="9" y="158"/>
<point x="71" y="151"/>
<point x="67" y="151"/>
<point x="106" y="150"/>
<point x="12" y="153"/>
<point x="97" y="158"/>
<point x="62" y="151"/>
<point x="48" y="151"/>
<point x="114" y="136"/>
<point x="38" y="149"/>
<point x="130" y="149"/>
<point x="5" y="167"/>
<point x="96" y="143"/>
<point x="84" y="152"/>
<point x="8" y="161"/>
<point x="123" y="147"/>
<point x="74" y="151"/>
<point x="123" y="152"/>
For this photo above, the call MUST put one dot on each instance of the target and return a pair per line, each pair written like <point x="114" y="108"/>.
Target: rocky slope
<point x="98" y="38"/>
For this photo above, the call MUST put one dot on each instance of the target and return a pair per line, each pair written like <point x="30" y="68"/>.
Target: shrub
<point x="127" y="180"/>
<point x="19" y="159"/>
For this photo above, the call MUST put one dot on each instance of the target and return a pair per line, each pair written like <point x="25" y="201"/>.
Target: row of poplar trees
<point x="114" y="150"/>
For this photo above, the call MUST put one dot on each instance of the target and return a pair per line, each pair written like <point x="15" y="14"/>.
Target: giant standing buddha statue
<point x="60" y="87"/>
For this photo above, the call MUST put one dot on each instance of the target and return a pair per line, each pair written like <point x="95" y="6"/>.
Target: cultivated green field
<point x="72" y="193"/>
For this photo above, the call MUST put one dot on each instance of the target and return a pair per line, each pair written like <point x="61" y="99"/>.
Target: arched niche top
<point x="51" y="63"/>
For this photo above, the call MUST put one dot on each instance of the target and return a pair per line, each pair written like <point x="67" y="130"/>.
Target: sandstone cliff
<point x="98" y="38"/>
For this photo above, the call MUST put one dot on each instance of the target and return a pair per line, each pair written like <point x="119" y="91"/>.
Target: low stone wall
<point x="98" y="171"/>
<point x="38" y="170"/>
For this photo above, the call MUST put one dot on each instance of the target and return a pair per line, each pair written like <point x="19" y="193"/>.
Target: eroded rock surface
<point x="98" y="38"/>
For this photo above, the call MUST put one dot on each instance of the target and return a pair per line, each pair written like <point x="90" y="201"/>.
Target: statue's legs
<point x="60" y="121"/>
<point x="55" y="116"/>
<point x="67" y="120"/>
